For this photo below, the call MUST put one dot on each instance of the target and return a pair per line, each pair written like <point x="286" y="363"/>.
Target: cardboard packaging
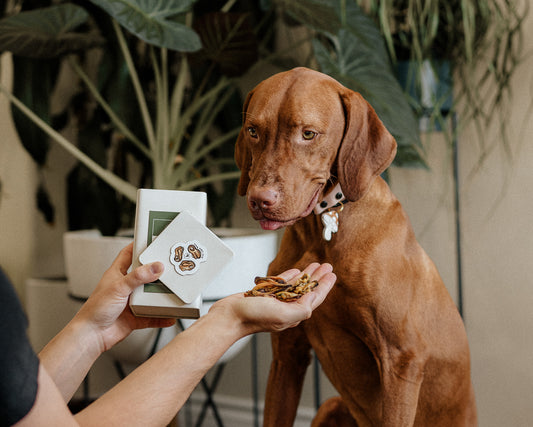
<point x="156" y="209"/>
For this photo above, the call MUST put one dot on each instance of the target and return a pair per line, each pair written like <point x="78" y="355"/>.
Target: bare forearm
<point x="154" y="392"/>
<point x="69" y="356"/>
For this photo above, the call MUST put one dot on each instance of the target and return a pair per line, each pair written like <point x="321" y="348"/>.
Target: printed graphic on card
<point x="191" y="253"/>
<point x="186" y="257"/>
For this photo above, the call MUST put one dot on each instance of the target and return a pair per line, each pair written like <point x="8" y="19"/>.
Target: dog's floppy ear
<point x="243" y="156"/>
<point x="367" y="147"/>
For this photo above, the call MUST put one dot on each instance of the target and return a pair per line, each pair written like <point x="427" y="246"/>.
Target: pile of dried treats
<point x="278" y="288"/>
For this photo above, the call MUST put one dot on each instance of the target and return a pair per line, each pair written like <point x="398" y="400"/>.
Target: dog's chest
<point x="336" y="335"/>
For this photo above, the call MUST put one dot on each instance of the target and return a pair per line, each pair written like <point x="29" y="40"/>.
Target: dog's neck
<point x="327" y="210"/>
<point x="334" y="198"/>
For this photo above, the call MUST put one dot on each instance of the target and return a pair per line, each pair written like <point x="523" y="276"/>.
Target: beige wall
<point x="17" y="213"/>
<point x="497" y="241"/>
<point x="29" y="246"/>
<point x="497" y="206"/>
<point x="498" y="249"/>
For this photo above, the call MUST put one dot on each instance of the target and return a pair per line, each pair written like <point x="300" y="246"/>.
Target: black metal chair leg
<point x="119" y="369"/>
<point x="209" y="402"/>
<point x="316" y="376"/>
<point x="255" y="381"/>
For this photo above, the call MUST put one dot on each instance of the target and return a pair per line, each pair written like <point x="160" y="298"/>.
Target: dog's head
<point x="301" y="128"/>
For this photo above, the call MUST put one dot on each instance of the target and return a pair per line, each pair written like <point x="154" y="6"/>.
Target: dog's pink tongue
<point x="269" y="225"/>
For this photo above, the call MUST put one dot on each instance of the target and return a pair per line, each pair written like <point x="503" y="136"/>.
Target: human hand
<point x="107" y="311"/>
<point x="267" y="314"/>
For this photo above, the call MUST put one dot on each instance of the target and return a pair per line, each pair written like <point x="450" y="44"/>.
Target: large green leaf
<point x="356" y="57"/>
<point x="228" y="40"/>
<point x="315" y="14"/>
<point x="155" y="22"/>
<point x="357" y="22"/>
<point x="92" y="203"/>
<point x="46" y="32"/>
<point x="33" y="82"/>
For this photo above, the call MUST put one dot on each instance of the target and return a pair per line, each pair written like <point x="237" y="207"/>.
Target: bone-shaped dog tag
<point x="330" y="220"/>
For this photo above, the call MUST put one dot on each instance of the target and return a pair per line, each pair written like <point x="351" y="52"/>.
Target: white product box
<point x="156" y="209"/>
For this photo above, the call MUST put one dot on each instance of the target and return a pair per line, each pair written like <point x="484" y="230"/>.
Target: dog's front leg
<point x="291" y="356"/>
<point x="402" y="375"/>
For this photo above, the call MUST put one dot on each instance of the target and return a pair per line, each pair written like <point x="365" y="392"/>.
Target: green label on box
<point x="158" y="221"/>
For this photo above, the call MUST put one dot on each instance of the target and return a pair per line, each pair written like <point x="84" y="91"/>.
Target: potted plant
<point x="174" y="132"/>
<point x="184" y="148"/>
<point x="461" y="48"/>
<point x="150" y="96"/>
<point x="116" y="121"/>
<point x="188" y="161"/>
<point x="171" y="144"/>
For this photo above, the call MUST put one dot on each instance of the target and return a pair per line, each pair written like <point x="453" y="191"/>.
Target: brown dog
<point x="388" y="336"/>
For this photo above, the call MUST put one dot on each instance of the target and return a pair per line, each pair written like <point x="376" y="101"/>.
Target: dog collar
<point x="326" y="209"/>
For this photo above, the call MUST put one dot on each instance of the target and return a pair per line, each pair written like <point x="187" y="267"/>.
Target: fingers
<point x="123" y="259"/>
<point x="316" y="271"/>
<point x="153" y="322"/>
<point x="320" y="293"/>
<point x="302" y="308"/>
<point x="290" y="274"/>
<point x="139" y="276"/>
<point x="323" y="274"/>
<point x="144" y="274"/>
<point x="269" y="314"/>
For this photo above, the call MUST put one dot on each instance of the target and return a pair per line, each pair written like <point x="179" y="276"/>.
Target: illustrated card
<point x="191" y="253"/>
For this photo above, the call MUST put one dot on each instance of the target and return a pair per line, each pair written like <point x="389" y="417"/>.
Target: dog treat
<point x="278" y="288"/>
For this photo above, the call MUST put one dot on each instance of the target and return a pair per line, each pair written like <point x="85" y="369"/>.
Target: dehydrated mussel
<point x="278" y="288"/>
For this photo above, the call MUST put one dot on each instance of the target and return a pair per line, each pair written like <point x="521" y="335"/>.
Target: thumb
<point x="144" y="274"/>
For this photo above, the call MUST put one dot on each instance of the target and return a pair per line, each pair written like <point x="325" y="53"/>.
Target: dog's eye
<point x="308" y="135"/>
<point x="252" y="131"/>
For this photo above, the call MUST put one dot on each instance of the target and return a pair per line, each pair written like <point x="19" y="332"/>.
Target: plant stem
<point x="107" y="108"/>
<point x="178" y="93"/>
<point x="189" y="185"/>
<point x="163" y="111"/>
<point x="120" y="185"/>
<point x="229" y="4"/>
<point x="343" y="12"/>
<point x="191" y="110"/>
<point x="137" y="86"/>
<point x="161" y="137"/>
<point x="194" y="150"/>
<point x="193" y="157"/>
<point x="175" y="117"/>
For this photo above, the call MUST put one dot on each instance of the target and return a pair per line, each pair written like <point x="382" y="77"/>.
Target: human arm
<point x="104" y="320"/>
<point x="161" y="385"/>
<point x="154" y="392"/>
